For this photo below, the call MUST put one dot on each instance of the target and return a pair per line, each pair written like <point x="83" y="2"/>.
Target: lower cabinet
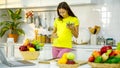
<point x="83" y="54"/>
<point x="46" y="53"/>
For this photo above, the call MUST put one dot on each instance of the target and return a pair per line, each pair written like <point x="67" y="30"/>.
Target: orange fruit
<point x="96" y="53"/>
<point x="62" y="61"/>
<point x="64" y="55"/>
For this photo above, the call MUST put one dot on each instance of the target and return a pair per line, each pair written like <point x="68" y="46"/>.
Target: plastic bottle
<point x="10" y="48"/>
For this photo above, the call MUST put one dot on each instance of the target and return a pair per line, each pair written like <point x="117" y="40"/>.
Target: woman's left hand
<point x="71" y="26"/>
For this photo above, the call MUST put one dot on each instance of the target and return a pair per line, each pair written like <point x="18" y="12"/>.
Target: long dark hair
<point x="65" y="6"/>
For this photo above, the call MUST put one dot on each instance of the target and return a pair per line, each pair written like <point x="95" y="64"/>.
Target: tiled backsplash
<point x="105" y="15"/>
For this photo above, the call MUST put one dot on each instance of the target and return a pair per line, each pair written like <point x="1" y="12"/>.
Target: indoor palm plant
<point x="12" y="25"/>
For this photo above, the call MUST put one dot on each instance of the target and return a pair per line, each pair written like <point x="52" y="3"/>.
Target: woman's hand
<point x="71" y="26"/>
<point x="74" y="29"/>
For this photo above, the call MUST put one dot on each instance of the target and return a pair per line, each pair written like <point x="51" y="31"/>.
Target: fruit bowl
<point x="27" y="55"/>
<point x="68" y="65"/>
<point x="104" y="65"/>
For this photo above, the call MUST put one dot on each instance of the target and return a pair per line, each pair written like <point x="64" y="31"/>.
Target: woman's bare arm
<point x="74" y="30"/>
<point x="54" y="34"/>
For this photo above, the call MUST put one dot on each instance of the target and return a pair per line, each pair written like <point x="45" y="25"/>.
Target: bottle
<point x="10" y="48"/>
<point x="102" y="40"/>
<point x="98" y="40"/>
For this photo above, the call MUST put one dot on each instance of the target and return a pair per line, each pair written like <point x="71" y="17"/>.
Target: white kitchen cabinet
<point x="74" y="2"/>
<point x="46" y="53"/>
<point x="42" y="3"/>
<point x="31" y="3"/>
<point x="17" y="53"/>
<point x="83" y="52"/>
<point x="2" y="4"/>
<point x="14" y="4"/>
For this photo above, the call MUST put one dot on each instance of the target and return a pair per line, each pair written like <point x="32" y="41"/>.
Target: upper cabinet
<point x="14" y="3"/>
<point x="2" y="4"/>
<point x="42" y="3"/>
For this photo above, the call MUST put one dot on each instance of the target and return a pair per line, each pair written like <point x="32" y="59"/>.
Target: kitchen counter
<point x="43" y="66"/>
<point x="74" y="46"/>
<point x="82" y="53"/>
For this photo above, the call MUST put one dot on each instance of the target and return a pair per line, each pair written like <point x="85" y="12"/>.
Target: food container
<point x="109" y="41"/>
<point x="27" y="55"/>
<point x="103" y="65"/>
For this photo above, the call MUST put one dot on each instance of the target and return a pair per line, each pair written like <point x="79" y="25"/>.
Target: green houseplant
<point x="12" y="25"/>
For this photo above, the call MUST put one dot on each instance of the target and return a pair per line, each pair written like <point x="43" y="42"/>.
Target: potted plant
<point x="12" y="25"/>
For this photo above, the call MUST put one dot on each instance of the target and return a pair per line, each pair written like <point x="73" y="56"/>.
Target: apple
<point x="23" y="48"/>
<point x="30" y="45"/>
<point x="91" y="59"/>
<point x="105" y="48"/>
<point x="70" y="56"/>
<point x="113" y="53"/>
<point x="109" y="52"/>
<point x="70" y="62"/>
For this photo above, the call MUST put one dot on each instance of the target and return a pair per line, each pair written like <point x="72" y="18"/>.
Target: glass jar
<point x="109" y="41"/>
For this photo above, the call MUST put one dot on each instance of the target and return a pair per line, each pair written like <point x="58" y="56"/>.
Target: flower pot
<point x="15" y="36"/>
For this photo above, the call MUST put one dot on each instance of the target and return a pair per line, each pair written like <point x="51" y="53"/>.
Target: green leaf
<point x="20" y="31"/>
<point x="18" y="11"/>
<point x="3" y="30"/>
<point x="10" y="12"/>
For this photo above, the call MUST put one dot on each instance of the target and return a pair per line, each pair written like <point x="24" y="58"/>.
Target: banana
<point x="26" y="42"/>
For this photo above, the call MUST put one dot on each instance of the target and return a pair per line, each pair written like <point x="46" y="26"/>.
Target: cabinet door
<point x="17" y="53"/>
<point x="14" y="3"/>
<point x="46" y="53"/>
<point x="39" y="3"/>
<point x="2" y="4"/>
<point x="73" y="2"/>
<point x="3" y="49"/>
<point x="83" y="54"/>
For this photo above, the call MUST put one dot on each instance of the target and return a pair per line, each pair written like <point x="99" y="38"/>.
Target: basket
<point x="68" y="65"/>
<point x="103" y="65"/>
<point x="27" y="55"/>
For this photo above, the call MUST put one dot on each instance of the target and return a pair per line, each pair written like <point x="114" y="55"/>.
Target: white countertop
<point x="42" y="66"/>
<point x="87" y="46"/>
<point x="50" y="66"/>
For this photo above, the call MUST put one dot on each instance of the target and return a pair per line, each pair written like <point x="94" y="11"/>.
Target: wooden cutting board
<point x="48" y="61"/>
<point x="81" y="62"/>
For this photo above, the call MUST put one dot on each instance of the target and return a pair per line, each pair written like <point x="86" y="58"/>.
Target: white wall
<point x="90" y="15"/>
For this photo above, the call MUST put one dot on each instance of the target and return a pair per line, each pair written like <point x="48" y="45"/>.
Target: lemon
<point x="31" y="49"/>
